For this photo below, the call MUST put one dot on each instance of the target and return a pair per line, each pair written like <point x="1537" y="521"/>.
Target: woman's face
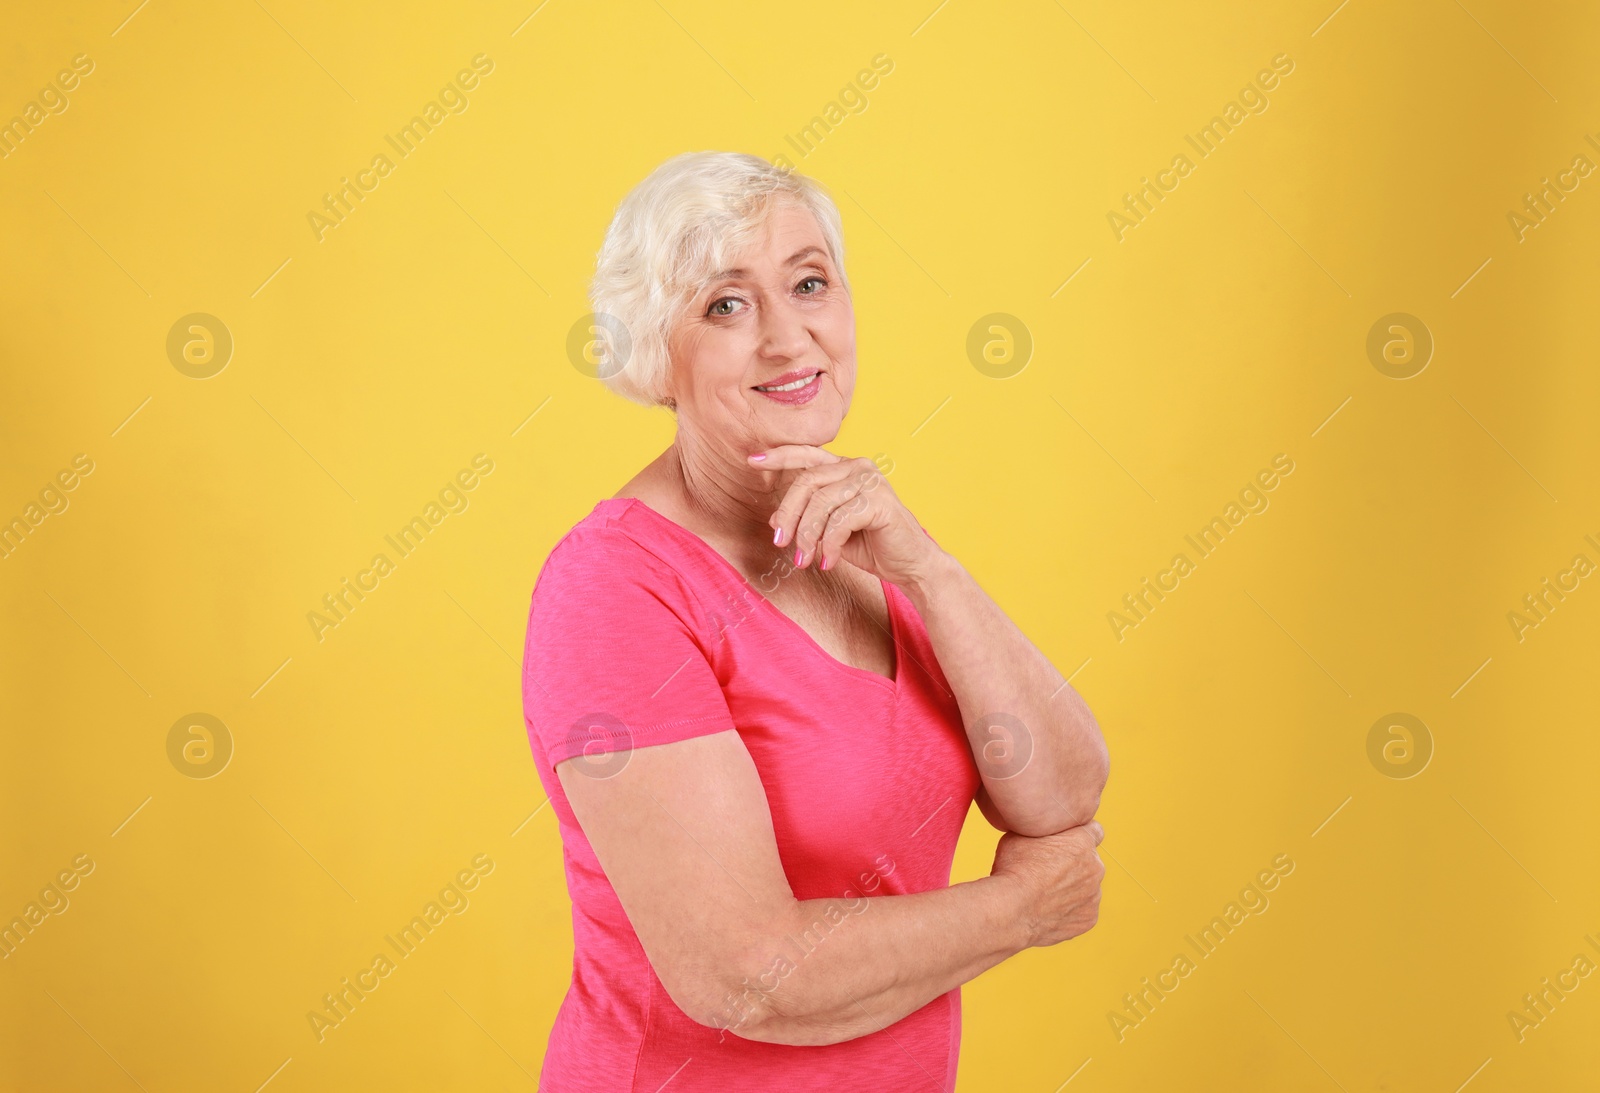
<point x="779" y="315"/>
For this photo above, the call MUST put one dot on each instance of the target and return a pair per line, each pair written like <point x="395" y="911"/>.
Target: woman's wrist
<point x="936" y="571"/>
<point x="1011" y="914"/>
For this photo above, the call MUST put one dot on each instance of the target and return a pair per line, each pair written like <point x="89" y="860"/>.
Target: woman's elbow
<point x="722" y="991"/>
<point x="793" y="1027"/>
<point x="753" y="1012"/>
<point x="1081" y="799"/>
<point x="1095" y="768"/>
<point x="763" y="999"/>
<point x="1097" y="771"/>
<point x="1100" y="767"/>
<point x="721" y="994"/>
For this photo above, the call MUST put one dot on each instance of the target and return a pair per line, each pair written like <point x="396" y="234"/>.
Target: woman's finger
<point x="852" y="516"/>
<point x="786" y="457"/>
<point x="824" y="501"/>
<point x="786" y="519"/>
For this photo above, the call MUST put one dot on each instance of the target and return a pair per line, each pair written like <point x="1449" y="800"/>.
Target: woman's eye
<point x="723" y="306"/>
<point x="818" y="281"/>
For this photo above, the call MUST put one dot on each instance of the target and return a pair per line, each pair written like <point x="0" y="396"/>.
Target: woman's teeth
<point x="795" y="386"/>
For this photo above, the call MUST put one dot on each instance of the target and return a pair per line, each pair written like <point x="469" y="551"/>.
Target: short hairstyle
<point x="669" y="235"/>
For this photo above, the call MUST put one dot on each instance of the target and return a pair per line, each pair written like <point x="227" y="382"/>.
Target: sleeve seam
<point x="662" y="726"/>
<point x="643" y="737"/>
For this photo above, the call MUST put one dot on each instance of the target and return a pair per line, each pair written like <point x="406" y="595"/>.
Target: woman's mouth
<point x="795" y="391"/>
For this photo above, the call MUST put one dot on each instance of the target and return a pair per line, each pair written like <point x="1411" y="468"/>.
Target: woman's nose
<point x="783" y="331"/>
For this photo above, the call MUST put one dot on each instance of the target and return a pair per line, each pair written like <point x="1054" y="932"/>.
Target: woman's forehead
<point x="786" y="236"/>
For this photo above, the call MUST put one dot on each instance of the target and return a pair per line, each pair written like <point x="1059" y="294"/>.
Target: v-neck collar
<point x="888" y="599"/>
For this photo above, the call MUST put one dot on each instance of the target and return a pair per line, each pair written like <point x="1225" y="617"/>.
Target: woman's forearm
<point x="836" y="969"/>
<point x="1044" y="727"/>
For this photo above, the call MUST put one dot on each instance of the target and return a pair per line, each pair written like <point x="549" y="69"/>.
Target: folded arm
<point x="685" y="836"/>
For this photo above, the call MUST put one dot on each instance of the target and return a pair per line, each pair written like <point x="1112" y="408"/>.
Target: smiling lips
<point x="794" y="388"/>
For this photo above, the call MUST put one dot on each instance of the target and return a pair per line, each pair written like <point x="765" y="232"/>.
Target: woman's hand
<point x="1059" y="876"/>
<point x="843" y="508"/>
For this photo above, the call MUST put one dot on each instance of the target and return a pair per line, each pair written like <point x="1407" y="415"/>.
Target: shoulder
<point x="599" y="531"/>
<point x="612" y="554"/>
<point x="604" y="540"/>
<point x="608" y="587"/>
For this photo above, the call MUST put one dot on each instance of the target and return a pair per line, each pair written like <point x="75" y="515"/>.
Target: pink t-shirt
<point x="641" y="634"/>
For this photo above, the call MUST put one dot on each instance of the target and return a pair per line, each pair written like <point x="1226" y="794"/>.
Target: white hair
<point x="669" y="235"/>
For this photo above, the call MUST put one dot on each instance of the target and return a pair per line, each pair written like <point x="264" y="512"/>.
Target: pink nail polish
<point x="759" y="456"/>
<point x="797" y="556"/>
<point x="777" y="535"/>
<point x="824" y="562"/>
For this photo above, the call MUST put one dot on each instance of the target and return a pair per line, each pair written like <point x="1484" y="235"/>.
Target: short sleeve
<point x="615" y="658"/>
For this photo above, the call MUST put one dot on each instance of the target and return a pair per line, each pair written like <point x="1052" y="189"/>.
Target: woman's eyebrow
<point x="802" y="253"/>
<point x="793" y="259"/>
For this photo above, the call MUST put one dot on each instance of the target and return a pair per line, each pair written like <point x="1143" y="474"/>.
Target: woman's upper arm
<point x="685" y="836"/>
<point x="619" y="661"/>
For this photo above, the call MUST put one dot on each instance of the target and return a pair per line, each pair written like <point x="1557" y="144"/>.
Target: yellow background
<point x="371" y="766"/>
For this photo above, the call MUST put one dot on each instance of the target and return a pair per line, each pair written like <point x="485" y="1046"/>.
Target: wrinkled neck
<point x="721" y="488"/>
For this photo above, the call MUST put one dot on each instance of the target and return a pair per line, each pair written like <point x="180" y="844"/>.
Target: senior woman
<point x="762" y="698"/>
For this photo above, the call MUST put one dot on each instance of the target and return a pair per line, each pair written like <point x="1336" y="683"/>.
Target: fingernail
<point x="759" y="456"/>
<point x="797" y="556"/>
<point x="824" y="561"/>
<point x="777" y="535"/>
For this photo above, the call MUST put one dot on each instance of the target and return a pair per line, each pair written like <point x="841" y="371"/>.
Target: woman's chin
<point x="815" y="432"/>
<point x="820" y="414"/>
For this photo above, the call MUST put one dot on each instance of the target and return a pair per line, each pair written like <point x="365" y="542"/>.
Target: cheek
<point x="842" y="321"/>
<point x="844" y="378"/>
<point x="711" y="368"/>
<point x="721" y="361"/>
<point x="837" y="336"/>
<point x="700" y="358"/>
